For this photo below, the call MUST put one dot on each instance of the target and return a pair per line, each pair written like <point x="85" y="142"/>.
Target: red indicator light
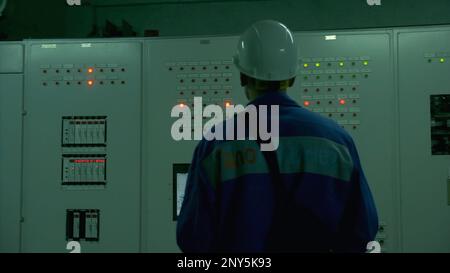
<point x="341" y="102"/>
<point x="181" y="105"/>
<point x="306" y="103"/>
<point x="90" y="82"/>
<point x="89" y="161"/>
<point x="227" y="104"/>
<point x="90" y="70"/>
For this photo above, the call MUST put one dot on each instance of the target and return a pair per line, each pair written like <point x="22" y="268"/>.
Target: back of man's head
<point x="267" y="57"/>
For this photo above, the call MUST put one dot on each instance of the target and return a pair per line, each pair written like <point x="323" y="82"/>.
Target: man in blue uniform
<point x="309" y="195"/>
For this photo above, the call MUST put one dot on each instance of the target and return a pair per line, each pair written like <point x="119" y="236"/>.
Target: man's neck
<point x="254" y="94"/>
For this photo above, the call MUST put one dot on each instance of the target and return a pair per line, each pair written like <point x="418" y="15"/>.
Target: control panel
<point x="331" y="87"/>
<point x="423" y="69"/>
<point x="97" y="132"/>
<point x="179" y="70"/>
<point x="83" y="75"/>
<point x="344" y="79"/>
<point x="210" y="80"/>
<point x="348" y="76"/>
<point x="82" y="145"/>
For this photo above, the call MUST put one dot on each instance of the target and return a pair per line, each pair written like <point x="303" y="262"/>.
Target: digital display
<point x="181" y="186"/>
<point x="440" y="124"/>
<point x="180" y="175"/>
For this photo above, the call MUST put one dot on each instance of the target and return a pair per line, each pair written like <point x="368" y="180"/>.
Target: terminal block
<point x="82" y="224"/>
<point x="83" y="170"/>
<point x="84" y="131"/>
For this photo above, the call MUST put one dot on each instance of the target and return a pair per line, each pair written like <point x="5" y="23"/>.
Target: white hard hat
<point x="267" y="51"/>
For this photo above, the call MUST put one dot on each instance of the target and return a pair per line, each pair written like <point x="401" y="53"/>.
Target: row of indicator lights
<point x="353" y="76"/>
<point x="88" y="82"/>
<point x="329" y="89"/>
<point x="342" y="115"/>
<point x="354" y="127"/>
<point x="205" y="92"/>
<point x="193" y="68"/>
<point x="341" y="102"/>
<point x="204" y="80"/>
<point x="87" y="122"/>
<point x="226" y="104"/>
<point x="340" y="64"/>
<point x="89" y="70"/>
<point x="441" y="60"/>
<point x="88" y="160"/>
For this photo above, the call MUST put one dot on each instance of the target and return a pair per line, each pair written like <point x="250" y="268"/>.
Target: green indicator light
<point x="366" y="63"/>
<point x="341" y="64"/>
<point x="317" y="64"/>
<point x="442" y="60"/>
<point x="305" y="65"/>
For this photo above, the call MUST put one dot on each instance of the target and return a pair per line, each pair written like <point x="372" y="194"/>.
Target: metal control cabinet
<point x="356" y="67"/>
<point x="348" y="76"/>
<point x="423" y="79"/>
<point x="178" y="70"/>
<point x="100" y="166"/>
<point x="82" y="146"/>
<point x="11" y="91"/>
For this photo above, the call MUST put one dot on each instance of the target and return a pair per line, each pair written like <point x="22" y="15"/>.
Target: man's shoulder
<point x="298" y="121"/>
<point x="293" y="122"/>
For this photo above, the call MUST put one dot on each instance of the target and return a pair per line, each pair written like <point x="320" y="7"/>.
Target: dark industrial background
<point x="56" y="19"/>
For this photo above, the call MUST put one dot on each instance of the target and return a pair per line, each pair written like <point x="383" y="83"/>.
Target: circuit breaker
<point x="82" y="225"/>
<point x="84" y="131"/>
<point x="84" y="170"/>
<point x="84" y="152"/>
